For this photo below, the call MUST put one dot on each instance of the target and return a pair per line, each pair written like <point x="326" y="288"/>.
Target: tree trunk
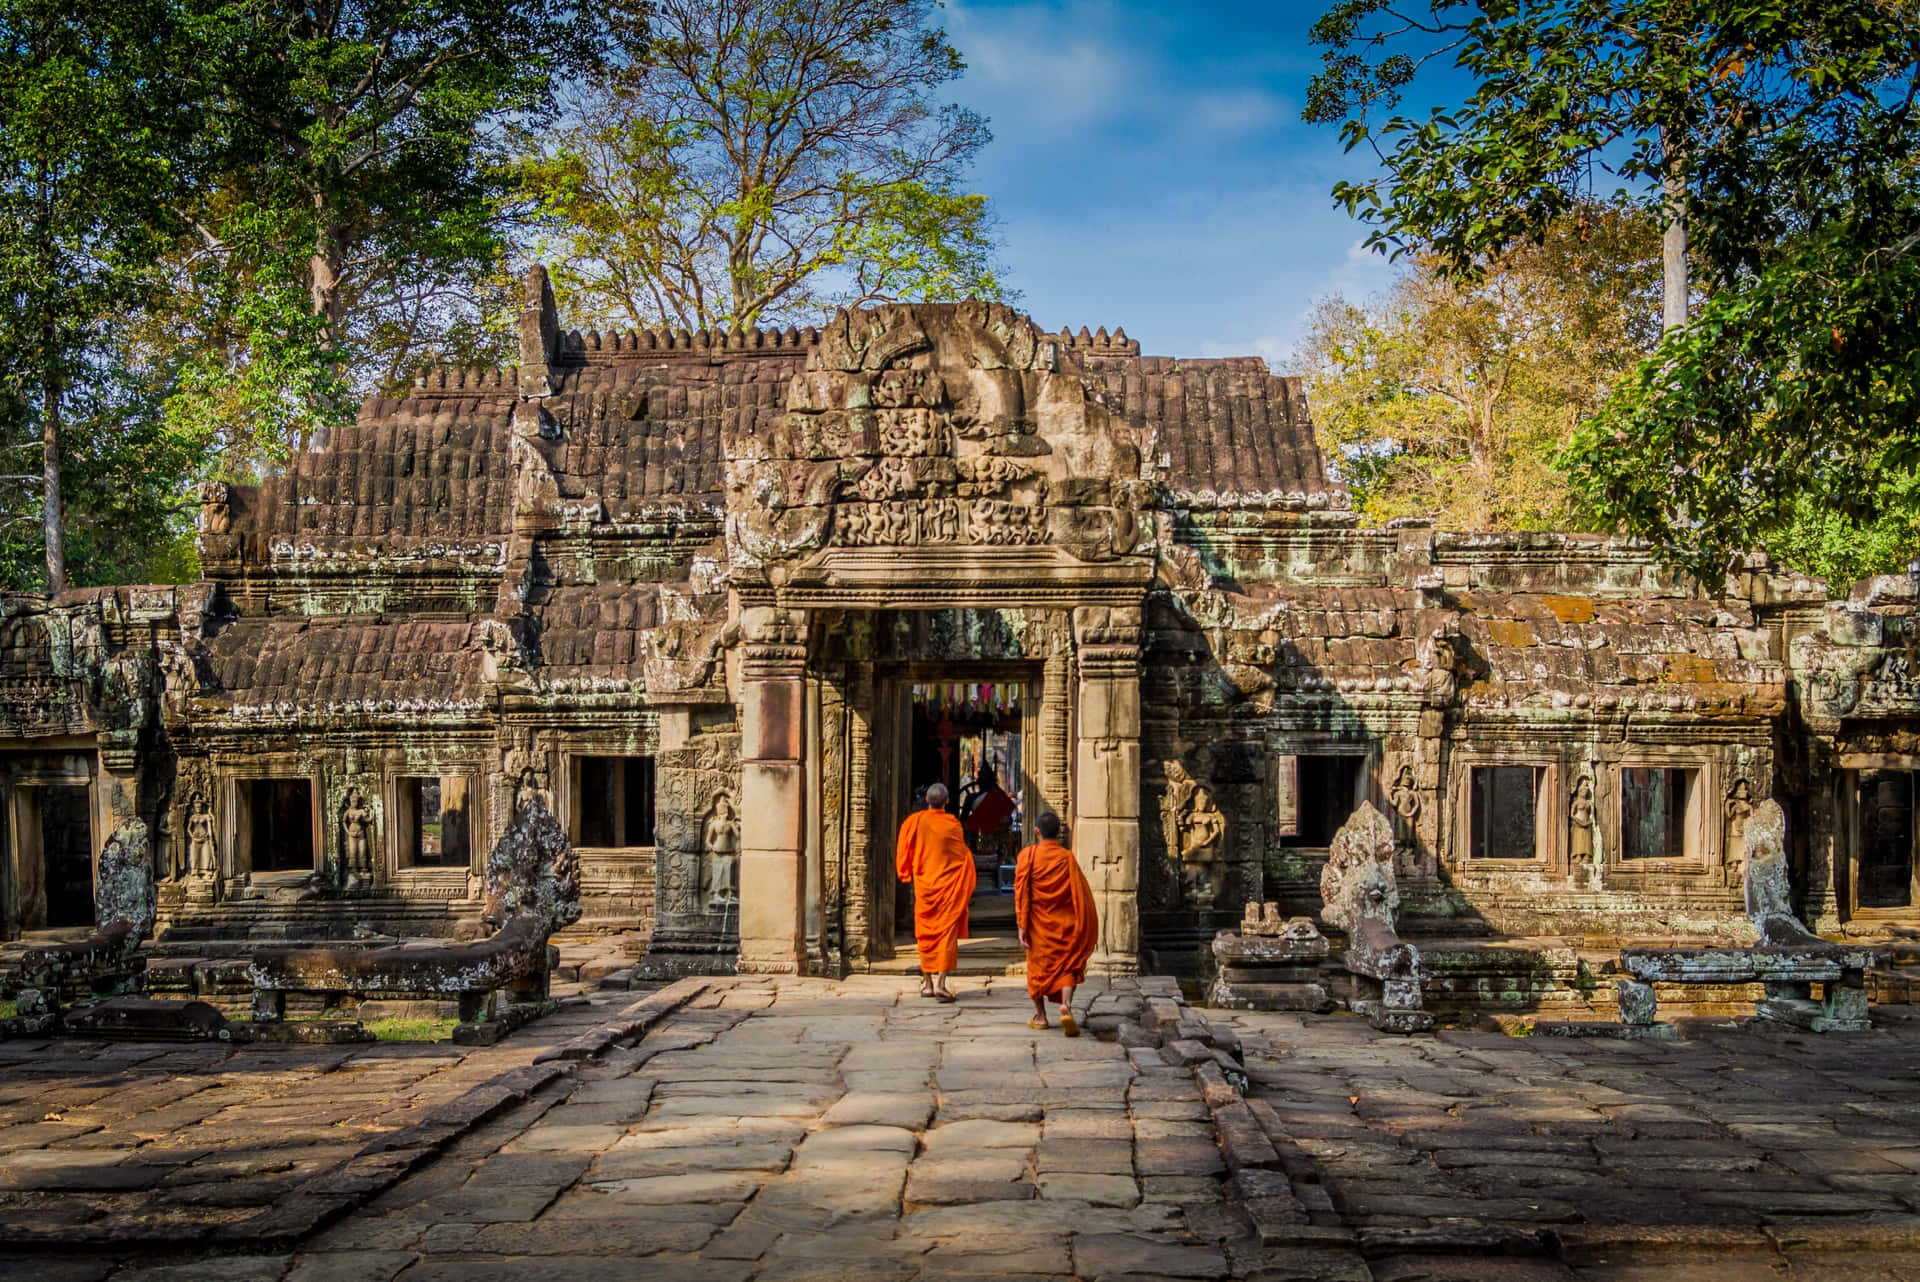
<point x="324" y="289"/>
<point x="323" y="292"/>
<point x="1673" y="244"/>
<point x="53" y="510"/>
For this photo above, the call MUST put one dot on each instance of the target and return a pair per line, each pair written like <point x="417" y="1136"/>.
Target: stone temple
<point x="723" y="601"/>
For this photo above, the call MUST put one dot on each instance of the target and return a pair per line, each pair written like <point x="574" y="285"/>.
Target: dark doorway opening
<point x="968" y="736"/>
<point x="1887" y="872"/>
<point x="66" y="843"/>
<point x="281" y="828"/>
<point x="616" y="801"/>
<point x="1326" y="791"/>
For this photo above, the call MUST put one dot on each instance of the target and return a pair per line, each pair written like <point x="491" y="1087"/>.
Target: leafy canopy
<point x="1785" y="132"/>
<point x="1451" y="397"/>
<point x="763" y="160"/>
<point x="355" y="218"/>
<point x="93" y="149"/>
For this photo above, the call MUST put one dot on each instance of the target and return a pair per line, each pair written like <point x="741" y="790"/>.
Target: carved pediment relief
<point x="947" y="424"/>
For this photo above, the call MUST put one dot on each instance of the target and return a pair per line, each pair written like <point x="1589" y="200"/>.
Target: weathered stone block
<point x="1638" y="1004"/>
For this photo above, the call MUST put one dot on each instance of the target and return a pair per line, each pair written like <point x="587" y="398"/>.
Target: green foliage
<point x="354" y="216"/>
<point x="1451" y="396"/>
<point x="91" y="140"/>
<point x="1785" y="137"/>
<point x="1786" y="416"/>
<point x="221" y="223"/>
<point x="763" y="161"/>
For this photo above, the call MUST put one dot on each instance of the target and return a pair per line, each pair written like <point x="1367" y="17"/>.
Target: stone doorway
<point x="1885" y="872"/>
<point x="46" y="857"/>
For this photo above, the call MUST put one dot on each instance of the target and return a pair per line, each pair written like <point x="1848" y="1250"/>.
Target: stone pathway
<point x="803" y="1129"/>
<point x="813" y="1130"/>
<point x="1758" y="1126"/>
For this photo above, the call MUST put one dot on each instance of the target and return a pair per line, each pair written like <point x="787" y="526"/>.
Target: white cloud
<point x="1361" y="274"/>
<point x="1049" y="62"/>
<point x="1233" y="112"/>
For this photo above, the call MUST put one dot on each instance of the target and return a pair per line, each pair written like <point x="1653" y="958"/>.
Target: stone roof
<point x="1568" y="646"/>
<point x="634" y="422"/>
<point x="280" y="668"/>
<point x="429" y="467"/>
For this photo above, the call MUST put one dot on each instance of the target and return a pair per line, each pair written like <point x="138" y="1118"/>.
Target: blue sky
<point x="1151" y="169"/>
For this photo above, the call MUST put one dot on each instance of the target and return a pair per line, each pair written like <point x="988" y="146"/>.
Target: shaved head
<point x="1047" y="825"/>
<point x="937" y="796"/>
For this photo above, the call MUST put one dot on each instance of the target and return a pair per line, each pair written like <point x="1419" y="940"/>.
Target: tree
<point x="357" y="208"/>
<point x="92" y="146"/>
<point x="763" y="159"/>
<point x="1451" y="397"/>
<point x="1778" y="140"/>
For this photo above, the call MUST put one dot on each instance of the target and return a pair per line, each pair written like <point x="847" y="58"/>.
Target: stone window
<point x="1659" y="812"/>
<point x="1505" y="812"/>
<point x="1886" y="867"/>
<point x="276" y="821"/>
<point x="613" y="801"/>
<point x="434" y="821"/>
<point x="1315" y="795"/>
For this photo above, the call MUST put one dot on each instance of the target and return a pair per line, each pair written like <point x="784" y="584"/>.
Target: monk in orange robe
<point x="1059" y="925"/>
<point x="932" y="854"/>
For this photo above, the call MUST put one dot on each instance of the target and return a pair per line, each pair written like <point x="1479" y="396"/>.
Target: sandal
<point x="1068" y="1025"/>
<point x="1038" y="1021"/>
<point x="939" y="996"/>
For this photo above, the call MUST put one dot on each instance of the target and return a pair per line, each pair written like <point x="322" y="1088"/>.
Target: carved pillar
<point x="772" y="792"/>
<point x="861" y="880"/>
<point x="1056" y="715"/>
<point x="1106" y="791"/>
<point x="1825" y="867"/>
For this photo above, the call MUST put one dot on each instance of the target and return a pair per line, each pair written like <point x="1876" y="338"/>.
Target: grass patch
<point x="8" y="1008"/>
<point x="411" y="1030"/>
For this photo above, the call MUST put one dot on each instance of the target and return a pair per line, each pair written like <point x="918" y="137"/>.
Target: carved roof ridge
<point x="578" y="347"/>
<point x="1099" y="342"/>
<point x="466" y="378"/>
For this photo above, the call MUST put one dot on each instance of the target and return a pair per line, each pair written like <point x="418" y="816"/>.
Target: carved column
<point x="772" y="793"/>
<point x="1056" y="715"/>
<point x="1106" y="790"/>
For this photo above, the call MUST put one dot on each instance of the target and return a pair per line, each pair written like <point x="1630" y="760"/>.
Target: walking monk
<point x="933" y="855"/>
<point x="1053" y="905"/>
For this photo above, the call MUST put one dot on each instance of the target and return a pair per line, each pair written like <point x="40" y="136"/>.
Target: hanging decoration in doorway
<point x="971" y="700"/>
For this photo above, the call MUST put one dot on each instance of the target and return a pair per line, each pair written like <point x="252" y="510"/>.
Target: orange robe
<point x="933" y="855"/>
<point x="1054" y="906"/>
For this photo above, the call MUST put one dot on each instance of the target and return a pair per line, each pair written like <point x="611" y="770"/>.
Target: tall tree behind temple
<point x="1779" y="141"/>
<point x="762" y="160"/>
<point x="93" y="141"/>
<point x="1451" y="397"/>
<point x="356" y="224"/>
